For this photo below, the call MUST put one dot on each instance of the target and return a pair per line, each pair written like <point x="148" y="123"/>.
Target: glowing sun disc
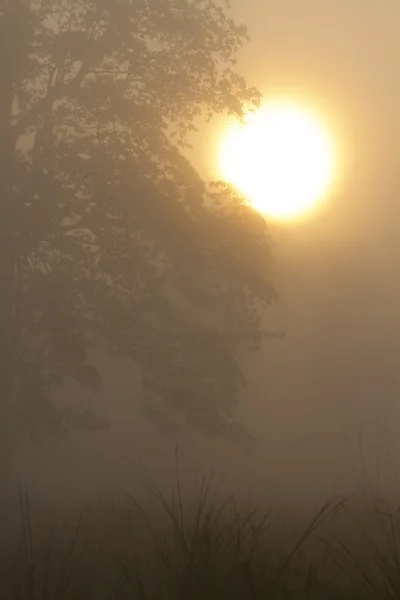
<point x="282" y="159"/>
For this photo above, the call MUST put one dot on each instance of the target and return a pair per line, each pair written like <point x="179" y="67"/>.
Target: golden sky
<point x="343" y="59"/>
<point x="338" y="275"/>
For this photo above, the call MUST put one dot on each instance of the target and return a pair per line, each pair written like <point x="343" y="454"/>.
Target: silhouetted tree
<point x="108" y="235"/>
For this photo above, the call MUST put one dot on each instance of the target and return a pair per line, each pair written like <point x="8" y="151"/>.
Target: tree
<point x="108" y="235"/>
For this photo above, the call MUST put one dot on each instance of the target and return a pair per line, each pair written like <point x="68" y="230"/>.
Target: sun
<point x="282" y="158"/>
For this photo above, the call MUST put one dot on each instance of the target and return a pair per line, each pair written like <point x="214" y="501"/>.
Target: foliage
<point x="108" y="234"/>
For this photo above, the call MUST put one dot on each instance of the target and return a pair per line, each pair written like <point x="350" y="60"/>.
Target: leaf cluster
<point x="113" y="236"/>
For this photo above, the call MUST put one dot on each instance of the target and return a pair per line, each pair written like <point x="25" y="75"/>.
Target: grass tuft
<point x="170" y="549"/>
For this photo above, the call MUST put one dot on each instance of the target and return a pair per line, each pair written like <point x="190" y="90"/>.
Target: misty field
<point x="170" y="548"/>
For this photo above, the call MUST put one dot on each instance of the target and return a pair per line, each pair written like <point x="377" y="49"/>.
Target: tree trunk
<point x="8" y="249"/>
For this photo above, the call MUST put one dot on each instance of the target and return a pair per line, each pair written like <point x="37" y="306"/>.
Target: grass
<point x="172" y="550"/>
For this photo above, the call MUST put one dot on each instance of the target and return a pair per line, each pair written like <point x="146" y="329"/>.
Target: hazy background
<point x="325" y="401"/>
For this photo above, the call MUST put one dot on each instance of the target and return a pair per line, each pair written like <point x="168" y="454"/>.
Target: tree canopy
<point x="108" y="234"/>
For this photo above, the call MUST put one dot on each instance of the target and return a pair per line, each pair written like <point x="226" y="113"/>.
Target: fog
<point x="324" y="401"/>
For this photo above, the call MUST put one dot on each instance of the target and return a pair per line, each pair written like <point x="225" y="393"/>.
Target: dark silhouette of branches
<point x="108" y="234"/>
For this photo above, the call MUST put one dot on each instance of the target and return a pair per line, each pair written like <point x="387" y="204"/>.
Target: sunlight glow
<point x="282" y="159"/>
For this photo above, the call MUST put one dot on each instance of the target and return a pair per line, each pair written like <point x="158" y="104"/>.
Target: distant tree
<point x="108" y="235"/>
